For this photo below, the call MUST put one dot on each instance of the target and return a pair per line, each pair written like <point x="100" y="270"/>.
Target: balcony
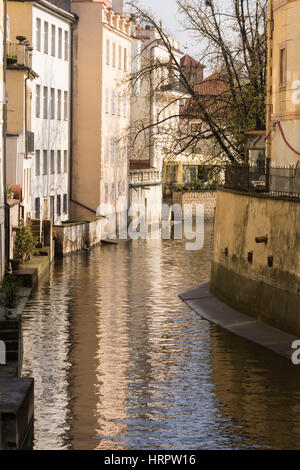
<point x="19" y="55"/>
<point x="144" y="177"/>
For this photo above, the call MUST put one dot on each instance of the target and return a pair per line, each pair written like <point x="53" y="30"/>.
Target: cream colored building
<point x="285" y="69"/>
<point x="2" y="103"/>
<point x="101" y="114"/>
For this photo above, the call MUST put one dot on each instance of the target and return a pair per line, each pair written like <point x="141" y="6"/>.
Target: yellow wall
<point x="268" y="293"/>
<point x="87" y="108"/>
<point x="16" y="102"/>
<point x="21" y="12"/>
<point x="286" y="100"/>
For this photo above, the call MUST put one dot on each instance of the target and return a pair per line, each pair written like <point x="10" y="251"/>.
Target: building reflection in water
<point x="120" y="362"/>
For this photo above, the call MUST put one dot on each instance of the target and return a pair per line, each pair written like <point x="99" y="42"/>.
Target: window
<point x="106" y="193"/>
<point x="125" y="59"/>
<point x="65" y="105"/>
<point x="65" y="161"/>
<point x="45" y="103"/>
<point x="283" y="64"/>
<point x="114" y="55"/>
<point x="65" y="203"/>
<point x="119" y="104"/>
<point x="107" y="51"/>
<point x="53" y="33"/>
<point x="58" y="161"/>
<point x="113" y="102"/>
<point x="107" y="149"/>
<point x="119" y="188"/>
<point x="37" y="207"/>
<point x="52" y="103"/>
<point x="45" y="162"/>
<point x="112" y="151"/>
<point x="107" y="100"/>
<point x="46" y="27"/>
<point x="113" y="191"/>
<point x="59" y="43"/>
<point x="120" y="57"/>
<point x="125" y="107"/>
<point x="59" y="105"/>
<point x="118" y="152"/>
<point x="66" y="45"/>
<point x="58" y="205"/>
<point x="38" y="101"/>
<point x="37" y="162"/>
<point x="38" y="35"/>
<point x="52" y="162"/>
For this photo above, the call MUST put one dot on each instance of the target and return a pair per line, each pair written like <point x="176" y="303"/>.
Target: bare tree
<point x="233" y="44"/>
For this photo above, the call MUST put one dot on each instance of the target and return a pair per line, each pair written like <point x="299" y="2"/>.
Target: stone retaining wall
<point x="76" y="236"/>
<point x="207" y="198"/>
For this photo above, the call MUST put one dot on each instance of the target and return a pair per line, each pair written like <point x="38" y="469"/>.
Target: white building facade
<point x="51" y="60"/>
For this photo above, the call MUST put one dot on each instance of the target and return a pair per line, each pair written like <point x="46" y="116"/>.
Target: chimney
<point x="118" y="6"/>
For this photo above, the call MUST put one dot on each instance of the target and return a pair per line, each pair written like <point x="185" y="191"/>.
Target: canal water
<point x="120" y="362"/>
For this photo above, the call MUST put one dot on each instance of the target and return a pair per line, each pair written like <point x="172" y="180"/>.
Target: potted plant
<point x="9" y="192"/>
<point x="25" y="243"/>
<point x="9" y="291"/>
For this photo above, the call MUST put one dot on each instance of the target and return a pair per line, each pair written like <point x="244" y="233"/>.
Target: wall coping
<point x="73" y="224"/>
<point x="260" y="195"/>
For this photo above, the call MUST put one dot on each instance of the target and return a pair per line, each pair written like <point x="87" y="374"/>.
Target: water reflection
<point x="121" y="363"/>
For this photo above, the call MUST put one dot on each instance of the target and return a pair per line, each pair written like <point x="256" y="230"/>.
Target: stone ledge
<point x="201" y="301"/>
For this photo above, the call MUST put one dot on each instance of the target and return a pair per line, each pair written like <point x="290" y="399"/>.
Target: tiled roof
<point x="188" y="61"/>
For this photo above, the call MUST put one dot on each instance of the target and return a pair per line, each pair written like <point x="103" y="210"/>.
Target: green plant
<point x="25" y="242"/>
<point x="10" y="291"/>
<point x="9" y="192"/>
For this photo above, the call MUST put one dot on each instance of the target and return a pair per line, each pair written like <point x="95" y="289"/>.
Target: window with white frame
<point x="107" y="52"/>
<point x="52" y="103"/>
<point x="113" y="102"/>
<point x="38" y="101"/>
<point x="125" y="59"/>
<point x="112" y="151"/>
<point x="52" y="170"/>
<point x="65" y="161"/>
<point x="106" y="193"/>
<point x="59" y="43"/>
<point x="45" y="102"/>
<point x="45" y="162"/>
<point x="46" y="39"/>
<point x="66" y="45"/>
<point x="37" y="162"/>
<point x="107" y="149"/>
<point x="65" y="105"/>
<point x="38" y="34"/>
<point x="53" y="37"/>
<point x="59" y="105"/>
<point x="107" y="100"/>
<point x="114" y="55"/>
<point x="120" y="57"/>
<point x="58" y="161"/>
<point x="113" y="192"/>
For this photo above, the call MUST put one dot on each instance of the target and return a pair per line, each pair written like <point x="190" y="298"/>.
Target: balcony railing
<point x="18" y="54"/>
<point x="144" y="177"/>
<point x="275" y="181"/>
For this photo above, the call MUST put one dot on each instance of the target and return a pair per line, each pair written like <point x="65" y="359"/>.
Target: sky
<point x="166" y="10"/>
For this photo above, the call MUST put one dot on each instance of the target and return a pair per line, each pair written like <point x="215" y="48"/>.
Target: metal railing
<point x="275" y="181"/>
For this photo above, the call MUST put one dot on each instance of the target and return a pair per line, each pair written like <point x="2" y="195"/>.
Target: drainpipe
<point x="269" y="82"/>
<point x="4" y="156"/>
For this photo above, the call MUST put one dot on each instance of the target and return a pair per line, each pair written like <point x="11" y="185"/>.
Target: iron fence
<point x="276" y="181"/>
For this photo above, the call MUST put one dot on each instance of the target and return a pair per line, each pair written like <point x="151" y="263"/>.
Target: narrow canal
<point x="120" y="362"/>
